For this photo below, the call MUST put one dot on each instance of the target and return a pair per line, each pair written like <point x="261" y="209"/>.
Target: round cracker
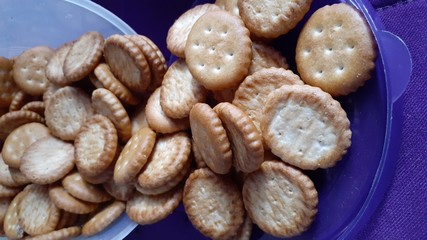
<point x="168" y="164"/>
<point x="155" y="59"/>
<point x="280" y="199"/>
<point x="6" y="191"/>
<point x="60" y="234"/>
<point x="122" y="192"/>
<point x="134" y="156"/>
<point x="103" y="218"/>
<point x="47" y="160"/>
<point x="180" y="91"/>
<point x="107" y="80"/>
<point x="305" y="127"/>
<point x="218" y="50"/>
<point x="106" y="103"/>
<point x="229" y="6"/>
<point x="67" y="220"/>
<point x="178" y="32"/>
<point x="157" y="119"/>
<point x="148" y="209"/>
<point x="20" y="139"/>
<point x="272" y="18"/>
<point x="6" y="178"/>
<point x="8" y="87"/>
<point x="29" y="70"/>
<point x="54" y="68"/>
<point x="336" y="50"/>
<point x="246" y="140"/>
<point x="36" y="212"/>
<point x="138" y="118"/>
<point x="75" y="185"/>
<point x="265" y="56"/>
<point x="198" y="159"/>
<point x="83" y="56"/>
<point x="35" y="106"/>
<point x="254" y="90"/>
<point x="11" y="225"/>
<point x="127" y="62"/>
<point x="210" y="138"/>
<point x="19" y="100"/>
<point x="213" y="204"/>
<point x="66" y="112"/>
<point x="4" y="205"/>
<point x="63" y="200"/>
<point x="96" y="145"/>
<point x="12" y="120"/>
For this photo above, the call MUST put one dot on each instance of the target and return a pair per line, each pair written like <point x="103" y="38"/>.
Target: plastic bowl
<point x="349" y="193"/>
<point x="25" y="24"/>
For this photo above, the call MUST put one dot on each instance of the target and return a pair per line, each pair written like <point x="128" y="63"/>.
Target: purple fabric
<point x="403" y="211"/>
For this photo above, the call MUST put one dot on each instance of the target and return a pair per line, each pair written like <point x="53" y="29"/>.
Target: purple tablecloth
<point x="403" y="211"/>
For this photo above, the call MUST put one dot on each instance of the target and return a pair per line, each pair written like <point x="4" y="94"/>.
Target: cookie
<point x="122" y="192"/>
<point x="336" y="50"/>
<point x="157" y="119"/>
<point x="218" y="50"/>
<point x="96" y="145"/>
<point x="75" y="185"/>
<point x="178" y="32"/>
<point x="35" y="106"/>
<point x="103" y="218"/>
<point x="29" y="70"/>
<point x="246" y="141"/>
<point x="280" y="199"/>
<point x="210" y="138"/>
<point x="11" y="225"/>
<point x="253" y="91"/>
<point x="168" y="164"/>
<point x="54" y="68"/>
<point x="265" y="56"/>
<point x="47" y="160"/>
<point x="64" y="233"/>
<point x="127" y="62"/>
<point x="36" y="212"/>
<point x="8" y="87"/>
<point x="134" y="156"/>
<point x="106" y="103"/>
<point x="108" y="81"/>
<point x="12" y="120"/>
<point x="148" y="209"/>
<point x="154" y="57"/>
<point x="63" y="200"/>
<point x="83" y="56"/>
<point x="20" y="139"/>
<point x="213" y="204"/>
<point x="305" y="127"/>
<point x="66" y="111"/>
<point x="180" y="91"/>
<point x="270" y="19"/>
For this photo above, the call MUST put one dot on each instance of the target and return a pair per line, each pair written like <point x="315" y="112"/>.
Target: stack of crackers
<point x="99" y="126"/>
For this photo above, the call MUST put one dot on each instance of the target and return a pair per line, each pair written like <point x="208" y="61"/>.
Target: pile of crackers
<point x="99" y="126"/>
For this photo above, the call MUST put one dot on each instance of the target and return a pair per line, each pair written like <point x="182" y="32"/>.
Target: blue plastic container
<point x="349" y="193"/>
